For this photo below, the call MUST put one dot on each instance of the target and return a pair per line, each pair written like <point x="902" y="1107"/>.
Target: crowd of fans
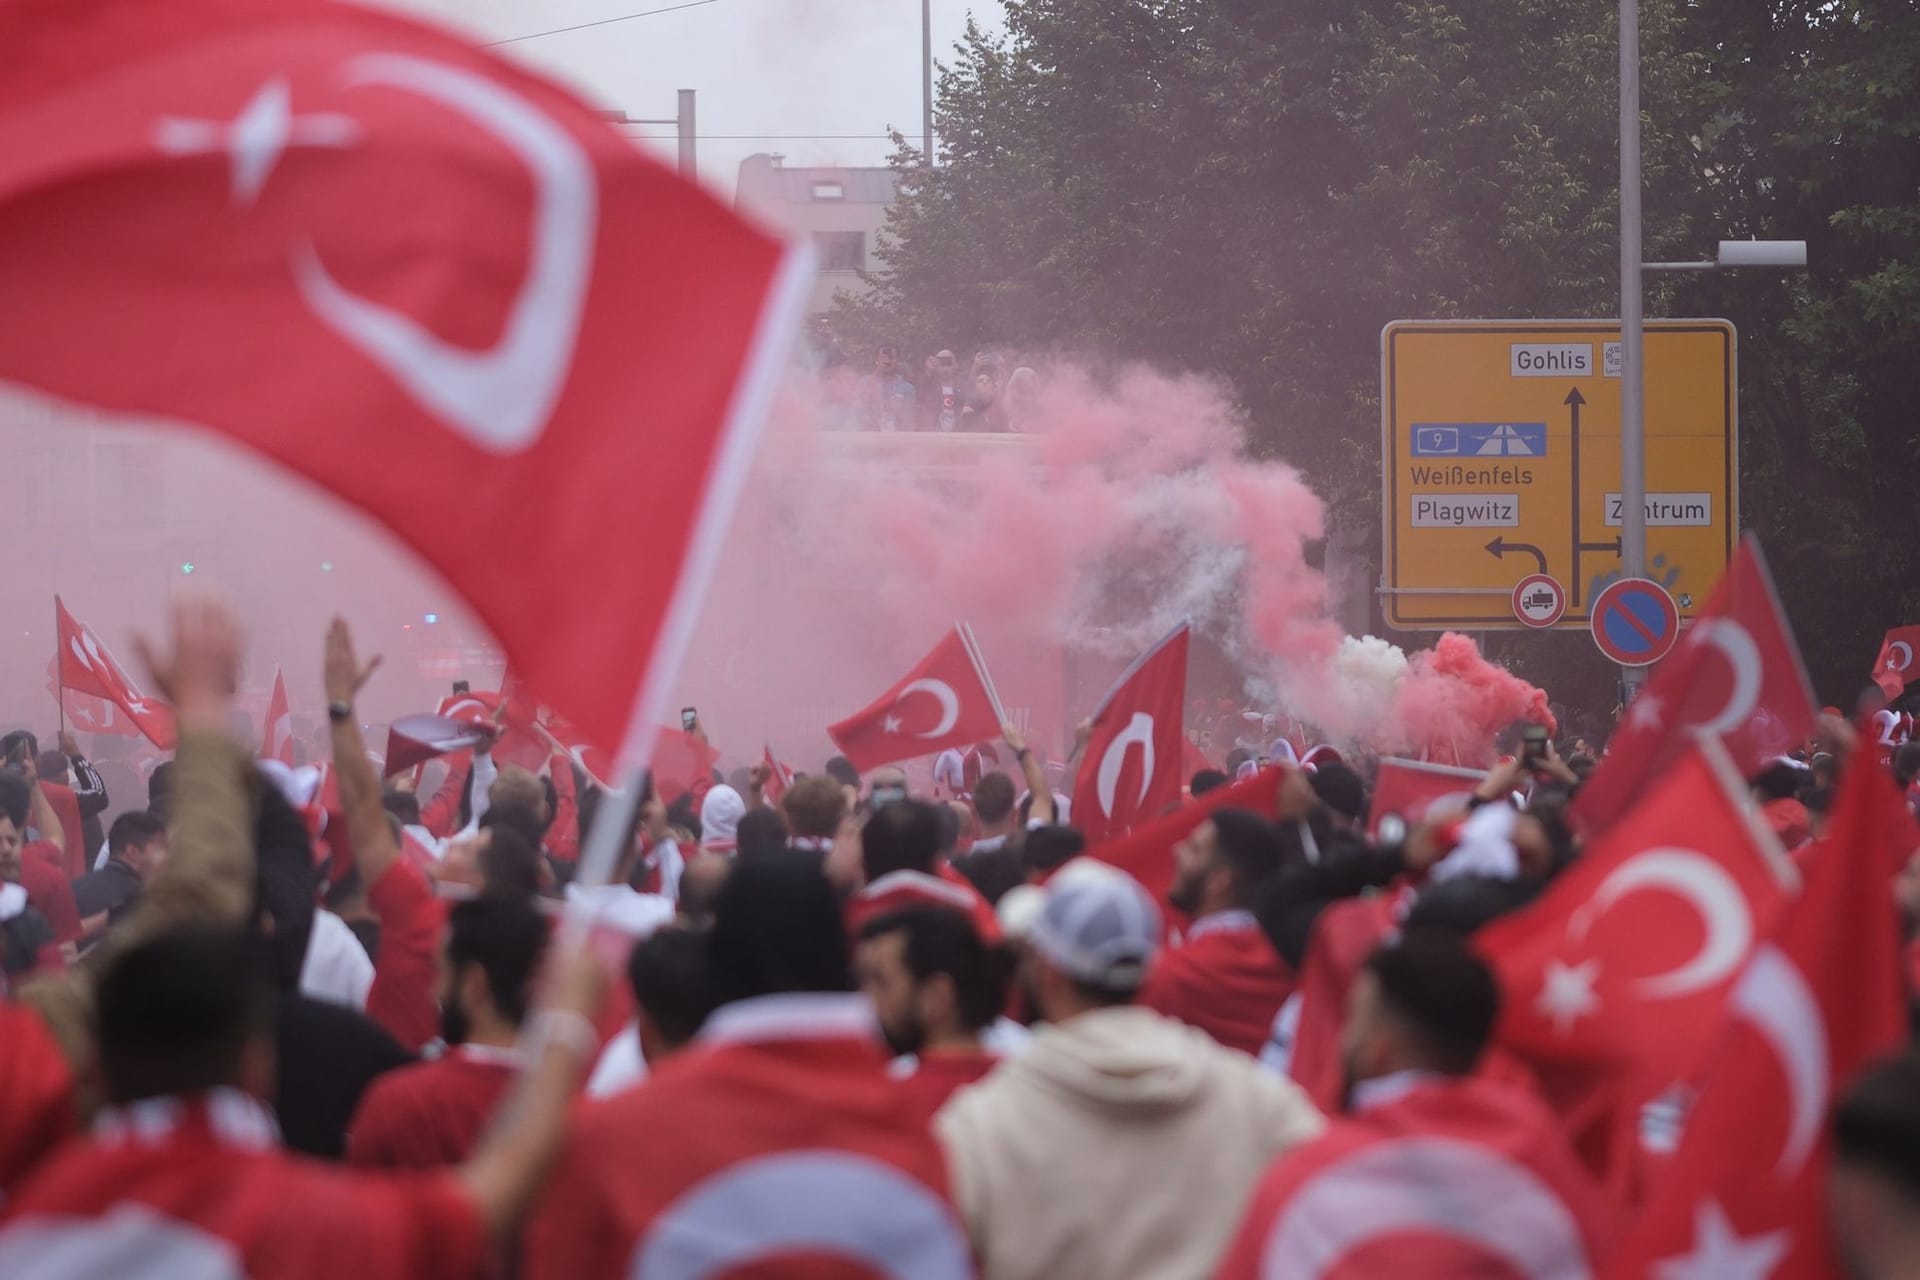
<point x="287" y="1031"/>
<point x="988" y="395"/>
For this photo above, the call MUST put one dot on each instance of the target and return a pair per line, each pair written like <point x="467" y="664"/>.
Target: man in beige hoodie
<point x="1122" y="1143"/>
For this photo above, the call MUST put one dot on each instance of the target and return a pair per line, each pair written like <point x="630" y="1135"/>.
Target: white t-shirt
<point x="336" y="969"/>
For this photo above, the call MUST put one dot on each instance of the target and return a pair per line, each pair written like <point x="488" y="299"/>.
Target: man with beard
<point x="1225" y="978"/>
<point x="434" y="1113"/>
<point x="1473" y="1173"/>
<point x="935" y="988"/>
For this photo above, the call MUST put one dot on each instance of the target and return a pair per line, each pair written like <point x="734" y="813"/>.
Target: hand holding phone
<point x="689" y="719"/>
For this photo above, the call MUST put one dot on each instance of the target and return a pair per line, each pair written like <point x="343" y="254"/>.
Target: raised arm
<point x="374" y="848"/>
<point x="1042" y="813"/>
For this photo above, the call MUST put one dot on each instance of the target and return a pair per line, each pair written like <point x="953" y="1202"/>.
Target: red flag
<point x="1448" y="1176"/>
<point x="946" y="701"/>
<point x="85" y="713"/>
<point x="1615" y="978"/>
<point x="1132" y="767"/>
<point x="1894" y="668"/>
<point x="682" y="763"/>
<point x="414" y="740"/>
<point x="1407" y="790"/>
<point x="359" y="239"/>
<point x="1746" y="1192"/>
<point x="1146" y="853"/>
<point x="86" y="667"/>
<point x="276" y="739"/>
<point x="779" y="778"/>
<point x="1736" y="674"/>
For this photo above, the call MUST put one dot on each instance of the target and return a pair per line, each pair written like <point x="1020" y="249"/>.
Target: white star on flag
<point x="265" y="127"/>
<point x="1719" y="1252"/>
<point x="1566" y="995"/>
<point x="1646" y="712"/>
<point x="891" y="724"/>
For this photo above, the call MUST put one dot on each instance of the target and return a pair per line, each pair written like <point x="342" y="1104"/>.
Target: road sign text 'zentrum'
<point x="1500" y="458"/>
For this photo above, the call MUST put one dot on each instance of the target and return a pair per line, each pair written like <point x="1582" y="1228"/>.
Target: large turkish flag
<point x="1134" y="762"/>
<point x="945" y="701"/>
<point x="434" y="284"/>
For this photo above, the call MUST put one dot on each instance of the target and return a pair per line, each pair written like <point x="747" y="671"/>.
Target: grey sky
<point x="761" y="67"/>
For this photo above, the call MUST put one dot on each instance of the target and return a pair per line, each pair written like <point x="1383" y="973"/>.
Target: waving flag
<point x="1410" y="790"/>
<point x="87" y="668"/>
<point x="1893" y="667"/>
<point x="435" y="284"/>
<point x="1736" y="674"/>
<point x="276" y="738"/>
<point x="1134" y="766"/>
<point x="1746" y="1195"/>
<point x="945" y="701"/>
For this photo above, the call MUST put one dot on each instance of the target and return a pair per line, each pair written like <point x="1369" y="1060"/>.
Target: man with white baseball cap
<point x="1122" y="1142"/>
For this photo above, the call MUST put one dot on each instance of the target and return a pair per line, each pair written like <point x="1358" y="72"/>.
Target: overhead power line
<point x="625" y="17"/>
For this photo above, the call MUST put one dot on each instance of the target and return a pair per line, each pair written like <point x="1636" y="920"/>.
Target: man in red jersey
<point x="935" y="988"/>
<point x="434" y="1113"/>
<point x="774" y="1139"/>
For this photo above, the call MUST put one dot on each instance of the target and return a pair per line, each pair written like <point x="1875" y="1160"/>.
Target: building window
<point x="841" y="250"/>
<point x="829" y="191"/>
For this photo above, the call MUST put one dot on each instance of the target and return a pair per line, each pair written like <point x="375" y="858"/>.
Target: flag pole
<point x="59" y="680"/>
<point x="980" y="667"/>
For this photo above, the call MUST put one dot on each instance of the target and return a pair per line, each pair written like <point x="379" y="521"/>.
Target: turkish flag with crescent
<point x="1614" y="979"/>
<point x="1409" y="789"/>
<point x="276" y="737"/>
<point x="779" y="777"/>
<point x="84" y="712"/>
<point x="945" y="701"/>
<point x="1454" y="1176"/>
<point x="1822" y="999"/>
<point x="1134" y="761"/>
<point x="86" y="667"/>
<point x="433" y="283"/>
<point x="1146" y="852"/>
<point x="1893" y="668"/>
<point x="1736" y="674"/>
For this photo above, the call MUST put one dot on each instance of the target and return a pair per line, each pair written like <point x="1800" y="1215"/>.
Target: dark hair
<point x="1877" y="1124"/>
<point x="286" y="881"/>
<point x="900" y="837"/>
<point x="1235" y="758"/>
<point x="506" y="936"/>
<point x="1432" y="983"/>
<point x="1207" y="780"/>
<point x="134" y="827"/>
<point x="509" y="864"/>
<point x="403" y="805"/>
<point x="20" y="742"/>
<point x="1780" y="781"/>
<point x="776" y="928"/>
<point x="1818" y="800"/>
<point x="684" y="814"/>
<point x="160" y="789"/>
<point x="671" y="981"/>
<point x="1906" y="763"/>
<point x="175" y="1013"/>
<point x="16" y="799"/>
<point x="993" y="797"/>
<point x="815" y="807"/>
<point x="52" y="766"/>
<point x="1048" y="848"/>
<point x="1252" y="848"/>
<point x="949" y="828"/>
<point x="940" y="940"/>
<point x="762" y="831"/>
<point x="841" y="770"/>
<point x="1340" y="789"/>
<point x="1463" y="904"/>
<point x="520" y="817"/>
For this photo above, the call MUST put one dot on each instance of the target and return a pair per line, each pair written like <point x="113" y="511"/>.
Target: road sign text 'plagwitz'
<point x="1500" y="451"/>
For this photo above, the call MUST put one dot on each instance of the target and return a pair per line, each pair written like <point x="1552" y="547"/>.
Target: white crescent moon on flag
<point x="1899" y="646"/>
<point x="1140" y="730"/>
<point x="501" y="398"/>
<point x="1773" y="998"/>
<point x="815" y="1202"/>
<point x="944" y="694"/>
<point x="1743" y="658"/>
<point x="1432" y="1186"/>
<point x="1712" y="893"/>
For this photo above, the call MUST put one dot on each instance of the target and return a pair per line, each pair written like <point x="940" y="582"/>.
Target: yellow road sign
<point x="1500" y="457"/>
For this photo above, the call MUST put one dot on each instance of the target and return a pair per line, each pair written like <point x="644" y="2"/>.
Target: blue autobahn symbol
<point x="1479" y="440"/>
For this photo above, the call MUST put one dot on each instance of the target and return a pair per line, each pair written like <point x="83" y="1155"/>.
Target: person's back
<point x="1050" y="1153"/>
<point x="776" y="1135"/>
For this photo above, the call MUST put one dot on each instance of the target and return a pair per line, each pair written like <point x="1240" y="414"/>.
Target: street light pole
<point x="926" y="82"/>
<point x="1633" y="382"/>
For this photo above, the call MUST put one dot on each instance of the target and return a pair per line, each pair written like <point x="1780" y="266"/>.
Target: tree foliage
<point x="1256" y="187"/>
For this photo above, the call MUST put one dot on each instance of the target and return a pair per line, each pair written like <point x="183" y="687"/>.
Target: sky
<point x="760" y="67"/>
